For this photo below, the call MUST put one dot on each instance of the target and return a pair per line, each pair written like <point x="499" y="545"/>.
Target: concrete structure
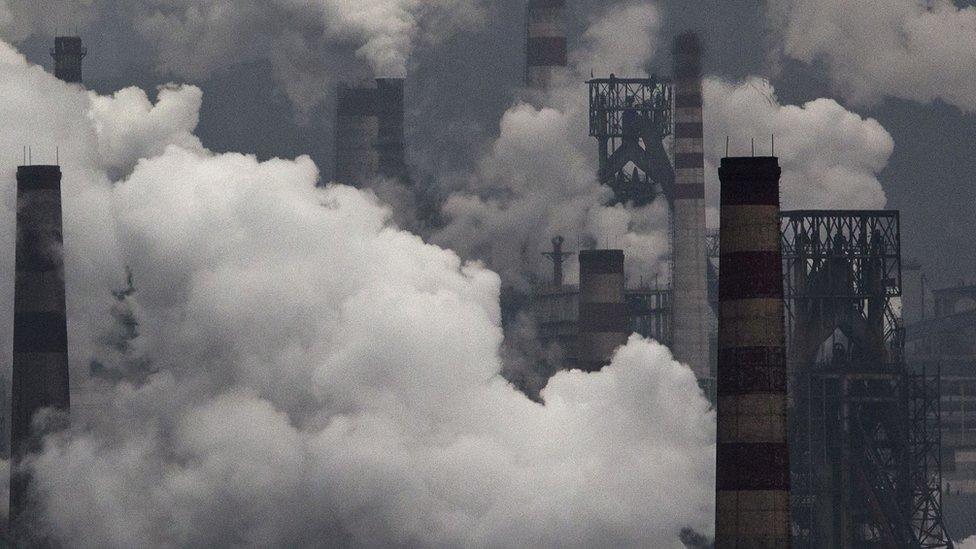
<point x="603" y="324"/>
<point x="545" y="42"/>
<point x="753" y="473"/>
<point x="40" y="350"/>
<point x="690" y="267"/>
<point x="68" y="53"/>
<point x="369" y="140"/>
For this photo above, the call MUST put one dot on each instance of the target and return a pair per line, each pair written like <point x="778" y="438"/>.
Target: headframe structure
<point x="630" y="118"/>
<point x="864" y="452"/>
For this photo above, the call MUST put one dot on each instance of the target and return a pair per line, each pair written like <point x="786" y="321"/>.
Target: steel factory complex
<point x="844" y="386"/>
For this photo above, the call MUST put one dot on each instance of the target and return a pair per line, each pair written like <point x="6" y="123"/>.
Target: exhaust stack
<point x="753" y="470"/>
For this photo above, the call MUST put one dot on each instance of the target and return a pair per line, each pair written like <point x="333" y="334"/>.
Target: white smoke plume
<point x="319" y="376"/>
<point x="539" y="180"/>
<point x="911" y="49"/>
<point x="306" y="42"/>
<point x="830" y="156"/>
<point x="968" y="543"/>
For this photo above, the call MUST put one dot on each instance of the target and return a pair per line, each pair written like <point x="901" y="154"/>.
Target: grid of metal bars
<point x="865" y="429"/>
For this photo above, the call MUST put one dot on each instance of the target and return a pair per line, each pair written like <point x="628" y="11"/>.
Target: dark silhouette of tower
<point x="369" y="139"/>
<point x="603" y="324"/>
<point x="68" y="53"/>
<point x="40" y="399"/>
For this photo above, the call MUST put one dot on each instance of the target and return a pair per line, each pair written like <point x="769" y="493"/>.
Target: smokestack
<point x="40" y="352"/>
<point x="603" y="325"/>
<point x="753" y="473"/>
<point x="545" y="43"/>
<point x="369" y="139"/>
<point x="68" y="53"/>
<point x="690" y="270"/>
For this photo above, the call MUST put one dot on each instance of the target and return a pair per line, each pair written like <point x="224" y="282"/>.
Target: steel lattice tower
<point x="864" y="459"/>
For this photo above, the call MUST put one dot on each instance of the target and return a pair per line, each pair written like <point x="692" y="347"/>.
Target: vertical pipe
<point x="40" y="351"/>
<point x="690" y="275"/>
<point x="752" y="477"/>
<point x="603" y="324"/>
<point x="545" y="47"/>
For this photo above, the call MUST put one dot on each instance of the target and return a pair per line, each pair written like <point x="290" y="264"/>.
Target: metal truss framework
<point x="649" y="311"/>
<point x="864" y="428"/>
<point x="630" y="117"/>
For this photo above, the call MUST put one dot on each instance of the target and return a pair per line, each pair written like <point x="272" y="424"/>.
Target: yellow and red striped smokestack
<point x="545" y="48"/>
<point x="753" y="473"/>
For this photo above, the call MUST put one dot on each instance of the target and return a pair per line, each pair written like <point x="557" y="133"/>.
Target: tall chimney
<point x="545" y="43"/>
<point x="68" y="53"/>
<point x="753" y="473"/>
<point x="603" y="324"/>
<point x="690" y="274"/>
<point x="369" y="140"/>
<point x="40" y="351"/>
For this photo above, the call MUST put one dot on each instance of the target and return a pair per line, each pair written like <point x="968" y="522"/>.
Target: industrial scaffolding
<point x="630" y="118"/>
<point x="864" y="447"/>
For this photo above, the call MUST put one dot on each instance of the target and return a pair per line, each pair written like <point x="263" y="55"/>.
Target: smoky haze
<point x="292" y="367"/>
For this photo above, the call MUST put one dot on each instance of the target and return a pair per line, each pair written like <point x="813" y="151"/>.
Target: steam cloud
<point x="194" y="38"/>
<point x="315" y="374"/>
<point x="910" y="49"/>
<point x="830" y="156"/>
<point x="303" y="370"/>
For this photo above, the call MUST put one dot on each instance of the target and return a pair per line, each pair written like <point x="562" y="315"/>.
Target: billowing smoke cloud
<point x="830" y="156"/>
<point x="912" y="49"/>
<point x="539" y="179"/>
<point x="308" y="43"/>
<point x="318" y="376"/>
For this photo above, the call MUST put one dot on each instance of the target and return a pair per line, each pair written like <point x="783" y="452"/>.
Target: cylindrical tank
<point x="752" y="473"/>
<point x="545" y="48"/>
<point x="40" y="350"/>
<point x="603" y="324"/>
<point x="690" y="274"/>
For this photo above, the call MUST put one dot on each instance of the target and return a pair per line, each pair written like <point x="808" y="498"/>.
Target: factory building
<point x="68" y="53"/>
<point x="752" y="472"/>
<point x="40" y="398"/>
<point x="369" y="140"/>
<point x="545" y="42"/>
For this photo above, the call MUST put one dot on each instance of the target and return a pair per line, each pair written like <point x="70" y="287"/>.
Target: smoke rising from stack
<point x="352" y="396"/>
<point x="247" y="363"/>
